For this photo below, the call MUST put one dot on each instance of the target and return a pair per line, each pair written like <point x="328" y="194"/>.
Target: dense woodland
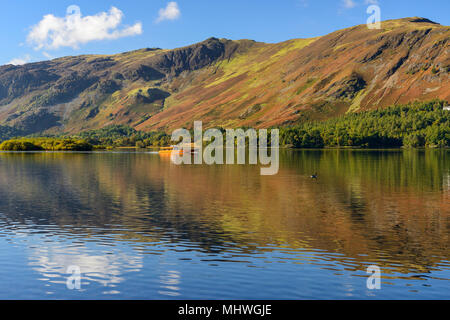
<point x="413" y="125"/>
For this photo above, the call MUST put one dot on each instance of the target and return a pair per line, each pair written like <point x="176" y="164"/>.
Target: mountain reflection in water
<point x="141" y="227"/>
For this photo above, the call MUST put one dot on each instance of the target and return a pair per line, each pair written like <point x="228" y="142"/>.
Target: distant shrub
<point x="50" y="144"/>
<point x="140" y="144"/>
<point x="19" y="145"/>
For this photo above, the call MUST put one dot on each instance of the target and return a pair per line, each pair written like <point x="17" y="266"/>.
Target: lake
<point x="139" y="227"/>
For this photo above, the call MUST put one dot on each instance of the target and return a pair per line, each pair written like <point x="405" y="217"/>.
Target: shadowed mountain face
<point x="231" y="83"/>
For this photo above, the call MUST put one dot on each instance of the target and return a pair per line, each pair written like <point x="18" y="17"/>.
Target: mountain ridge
<point x="231" y="82"/>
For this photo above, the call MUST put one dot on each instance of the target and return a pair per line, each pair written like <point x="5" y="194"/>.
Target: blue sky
<point x="26" y="36"/>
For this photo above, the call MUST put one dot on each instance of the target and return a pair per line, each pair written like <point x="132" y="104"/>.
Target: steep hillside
<point x="232" y="83"/>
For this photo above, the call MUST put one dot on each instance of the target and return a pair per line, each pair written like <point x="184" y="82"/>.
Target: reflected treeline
<point x="423" y="170"/>
<point x="390" y="207"/>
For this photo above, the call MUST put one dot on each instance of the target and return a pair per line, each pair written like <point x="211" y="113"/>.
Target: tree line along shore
<point x="414" y="125"/>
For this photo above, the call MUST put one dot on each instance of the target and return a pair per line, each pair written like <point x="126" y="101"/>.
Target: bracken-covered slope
<point x="232" y="83"/>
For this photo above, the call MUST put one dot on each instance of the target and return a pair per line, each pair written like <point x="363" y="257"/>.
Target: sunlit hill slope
<point x="232" y="83"/>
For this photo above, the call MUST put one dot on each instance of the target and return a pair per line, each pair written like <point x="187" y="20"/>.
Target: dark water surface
<point x="141" y="227"/>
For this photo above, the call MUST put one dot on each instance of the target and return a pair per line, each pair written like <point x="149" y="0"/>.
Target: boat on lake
<point x="170" y="150"/>
<point x="178" y="149"/>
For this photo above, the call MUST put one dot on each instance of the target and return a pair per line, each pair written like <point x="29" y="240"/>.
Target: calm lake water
<point x="140" y="227"/>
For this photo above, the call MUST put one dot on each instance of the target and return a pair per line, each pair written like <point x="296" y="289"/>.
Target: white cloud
<point x="349" y="4"/>
<point x="20" y="61"/>
<point x="47" y="55"/>
<point x="72" y="30"/>
<point x="171" y="12"/>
